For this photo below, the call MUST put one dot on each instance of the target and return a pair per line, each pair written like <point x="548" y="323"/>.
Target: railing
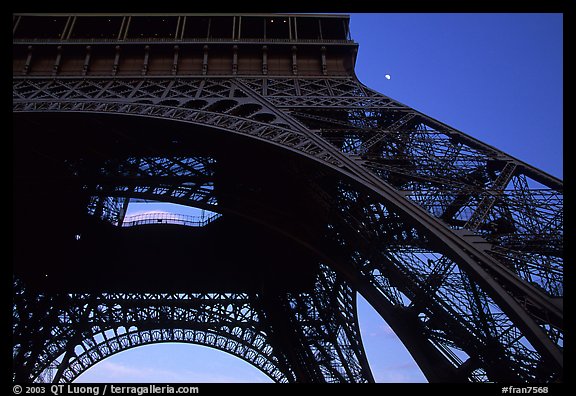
<point x="152" y="40"/>
<point x="169" y="218"/>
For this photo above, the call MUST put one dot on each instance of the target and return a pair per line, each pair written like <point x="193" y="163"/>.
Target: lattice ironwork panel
<point x="452" y="310"/>
<point x="83" y="329"/>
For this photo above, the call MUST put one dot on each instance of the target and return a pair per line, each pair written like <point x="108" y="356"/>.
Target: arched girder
<point x="109" y="316"/>
<point x="88" y="328"/>
<point x="116" y="322"/>
<point x="223" y="341"/>
<point x="483" y="266"/>
<point x="432" y="154"/>
<point x="277" y="135"/>
<point x="459" y="247"/>
<point x="416" y="343"/>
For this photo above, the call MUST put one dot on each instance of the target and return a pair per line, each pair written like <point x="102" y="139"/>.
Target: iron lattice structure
<point x="457" y="245"/>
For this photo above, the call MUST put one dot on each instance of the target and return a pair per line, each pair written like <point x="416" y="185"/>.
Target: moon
<point x="387" y="77"/>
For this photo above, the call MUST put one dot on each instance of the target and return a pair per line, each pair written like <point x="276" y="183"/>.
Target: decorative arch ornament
<point x="231" y="322"/>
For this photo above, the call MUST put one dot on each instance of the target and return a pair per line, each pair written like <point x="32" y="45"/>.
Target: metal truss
<point x="444" y="309"/>
<point x="174" y="179"/>
<point x="457" y="245"/>
<point x="76" y="331"/>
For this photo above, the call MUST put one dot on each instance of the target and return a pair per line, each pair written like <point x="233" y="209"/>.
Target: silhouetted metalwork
<point x="324" y="189"/>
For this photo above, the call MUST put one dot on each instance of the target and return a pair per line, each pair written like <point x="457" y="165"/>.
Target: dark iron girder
<point x="418" y="149"/>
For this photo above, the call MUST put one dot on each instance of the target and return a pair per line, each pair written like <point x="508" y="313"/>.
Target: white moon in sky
<point x="387" y="77"/>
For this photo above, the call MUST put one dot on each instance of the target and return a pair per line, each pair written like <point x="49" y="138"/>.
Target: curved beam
<point x="298" y="139"/>
<point x="235" y="330"/>
<point x="70" y="374"/>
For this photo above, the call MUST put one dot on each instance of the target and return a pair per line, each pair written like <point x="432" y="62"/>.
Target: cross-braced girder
<point x="475" y="336"/>
<point x="459" y="239"/>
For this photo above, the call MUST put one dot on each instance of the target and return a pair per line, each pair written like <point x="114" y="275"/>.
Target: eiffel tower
<point x="321" y="189"/>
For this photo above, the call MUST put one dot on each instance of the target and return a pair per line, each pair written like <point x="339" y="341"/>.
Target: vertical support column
<point x="317" y="330"/>
<point x="205" y="60"/>
<point x="294" y="60"/>
<point x="175" y="61"/>
<point x="116" y="61"/>
<point x="26" y="69"/>
<point x="56" y="66"/>
<point x="264" y="87"/>
<point x="239" y="35"/>
<point x="265" y="60"/>
<point x="324" y="66"/>
<point x="235" y="60"/>
<point x="286" y="337"/>
<point x="146" y="60"/>
<point x="178" y="33"/>
<point x="87" y="60"/>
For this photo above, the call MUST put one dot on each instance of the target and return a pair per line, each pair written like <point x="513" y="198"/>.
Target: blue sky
<point x="496" y="77"/>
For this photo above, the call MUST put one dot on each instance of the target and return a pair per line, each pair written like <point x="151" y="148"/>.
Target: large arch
<point x="285" y="133"/>
<point x="177" y="362"/>
<point x="248" y="344"/>
<point x="235" y="323"/>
